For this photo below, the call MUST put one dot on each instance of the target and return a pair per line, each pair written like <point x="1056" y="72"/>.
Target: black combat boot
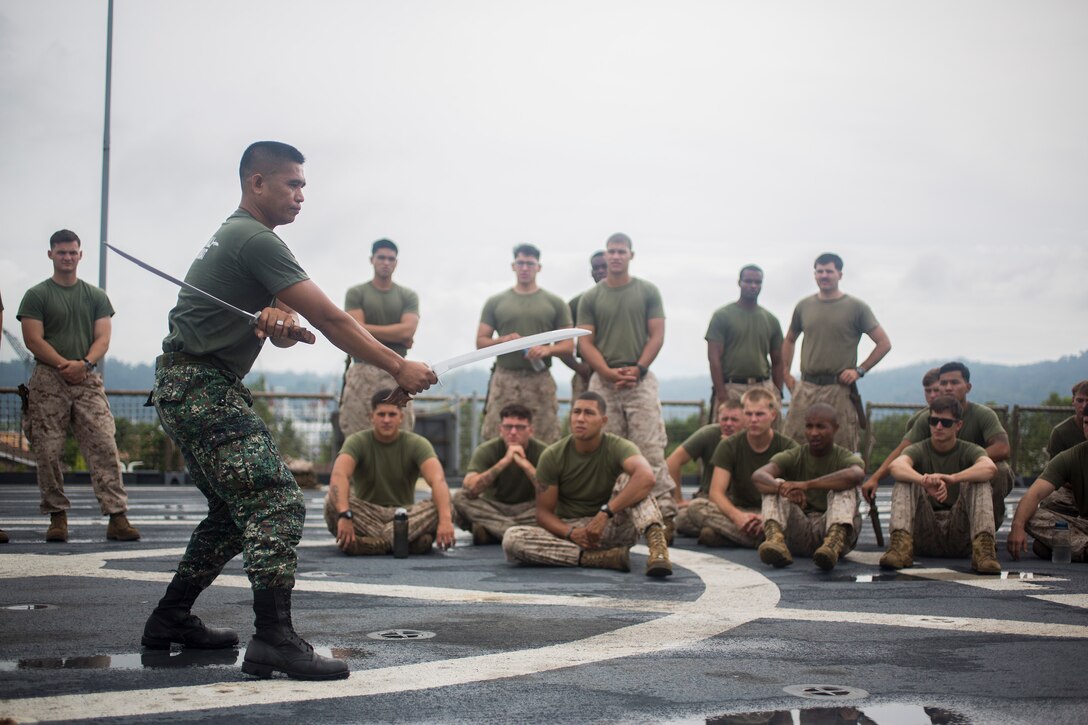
<point x="172" y="621"/>
<point x="276" y="647"/>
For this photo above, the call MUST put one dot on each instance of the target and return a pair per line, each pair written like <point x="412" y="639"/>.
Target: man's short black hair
<point x="829" y="258"/>
<point x="822" y="410"/>
<point x="957" y="367"/>
<point x="62" y="236"/>
<point x="265" y="156"/>
<point x="379" y="397"/>
<point x="516" y="410"/>
<point x="947" y="404"/>
<point x="383" y="244"/>
<point x="598" y="253"/>
<point x="749" y="268"/>
<point x="527" y="250"/>
<point x="602" y="407"/>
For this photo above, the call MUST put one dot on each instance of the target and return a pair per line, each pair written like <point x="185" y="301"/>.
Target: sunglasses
<point x="936" y="422"/>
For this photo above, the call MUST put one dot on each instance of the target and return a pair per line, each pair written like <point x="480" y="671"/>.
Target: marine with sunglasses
<point x="942" y="502"/>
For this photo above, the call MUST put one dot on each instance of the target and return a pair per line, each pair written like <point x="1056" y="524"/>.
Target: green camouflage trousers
<point x="495" y="516"/>
<point x="254" y="505"/>
<point x="536" y="391"/>
<point x="360" y="384"/>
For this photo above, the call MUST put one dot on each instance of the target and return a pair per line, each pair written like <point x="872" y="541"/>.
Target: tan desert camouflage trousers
<point x="635" y="414"/>
<point x="535" y="545"/>
<point x="805" y="532"/>
<point x="703" y="512"/>
<point x="54" y="406"/>
<point x="1060" y="506"/>
<point x="373" y="520"/>
<point x="942" y="533"/>
<point x="536" y="391"/>
<point x="494" y="516"/>
<point x="360" y="383"/>
<point x="838" y="397"/>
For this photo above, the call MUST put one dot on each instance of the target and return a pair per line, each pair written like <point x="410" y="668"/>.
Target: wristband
<point x="569" y="532"/>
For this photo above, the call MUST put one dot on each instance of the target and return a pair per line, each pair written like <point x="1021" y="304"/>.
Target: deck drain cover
<point x="322" y="574"/>
<point x="826" y="692"/>
<point x="400" y="634"/>
<point x="29" y="607"/>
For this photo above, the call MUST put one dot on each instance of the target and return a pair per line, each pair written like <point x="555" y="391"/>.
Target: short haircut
<point x="527" y="250"/>
<point x="947" y="404"/>
<point x="759" y="395"/>
<point x="932" y="376"/>
<point x="263" y="157"/>
<point x="619" y="238"/>
<point x="516" y="410"/>
<point x="730" y="403"/>
<point x="598" y="253"/>
<point x="749" y="268"/>
<point x="1081" y="388"/>
<point x="822" y="410"/>
<point x="379" y="398"/>
<point x="829" y="258"/>
<point x="602" y="407"/>
<point x="957" y="367"/>
<point x="63" y="236"/>
<point x="383" y="244"/>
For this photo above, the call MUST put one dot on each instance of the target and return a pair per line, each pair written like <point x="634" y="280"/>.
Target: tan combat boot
<point x="58" y="527"/>
<point x="900" y="553"/>
<point x="368" y="546"/>
<point x="774" y="551"/>
<point x="827" y="556"/>
<point x="657" y="564"/>
<point x="482" y="537"/>
<point x="984" y="555"/>
<point x="618" y="558"/>
<point x="422" y="545"/>
<point x="670" y="530"/>
<point x="710" y="537"/>
<point x="120" y="529"/>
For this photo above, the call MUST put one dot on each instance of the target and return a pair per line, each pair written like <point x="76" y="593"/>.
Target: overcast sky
<point x="940" y="148"/>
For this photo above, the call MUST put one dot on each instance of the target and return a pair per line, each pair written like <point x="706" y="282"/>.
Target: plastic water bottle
<point x="400" y="533"/>
<point x="1061" y="550"/>
<point x="536" y="363"/>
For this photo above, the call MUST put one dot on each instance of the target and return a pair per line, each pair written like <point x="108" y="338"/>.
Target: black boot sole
<point x="264" y="671"/>
<point x="152" y="643"/>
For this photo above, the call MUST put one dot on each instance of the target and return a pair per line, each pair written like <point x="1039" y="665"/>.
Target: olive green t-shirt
<point x="980" y="424"/>
<point x="735" y="455"/>
<point x="1071" y="467"/>
<point x="747" y="337"/>
<point x="619" y="316"/>
<point x="528" y="314"/>
<point x="832" y="330"/>
<point x="512" y="485"/>
<point x="1064" y="436"/>
<point x="700" y="445"/>
<point x="245" y="264"/>
<point x="67" y="314"/>
<point x="913" y="420"/>
<point x="386" y="473"/>
<point x="585" y="480"/>
<point x="798" y="464"/>
<point x="927" y="460"/>
<point x="382" y="307"/>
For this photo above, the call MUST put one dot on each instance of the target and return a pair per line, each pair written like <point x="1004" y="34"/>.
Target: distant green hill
<point x="1008" y="384"/>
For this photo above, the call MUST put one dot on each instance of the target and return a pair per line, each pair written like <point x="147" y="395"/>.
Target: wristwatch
<point x="346" y="515"/>
<point x="860" y="371"/>
<point x="609" y="512"/>
<point x="642" y="370"/>
<point x="88" y="364"/>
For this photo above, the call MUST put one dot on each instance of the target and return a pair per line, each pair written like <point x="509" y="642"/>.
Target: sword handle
<point x="399" y="397"/>
<point x="302" y="335"/>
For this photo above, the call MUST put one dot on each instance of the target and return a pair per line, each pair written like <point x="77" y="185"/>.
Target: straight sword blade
<point x="295" y="333"/>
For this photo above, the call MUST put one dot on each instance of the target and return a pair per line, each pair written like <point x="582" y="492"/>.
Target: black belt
<point x="745" y="381"/>
<point x="829" y="379"/>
